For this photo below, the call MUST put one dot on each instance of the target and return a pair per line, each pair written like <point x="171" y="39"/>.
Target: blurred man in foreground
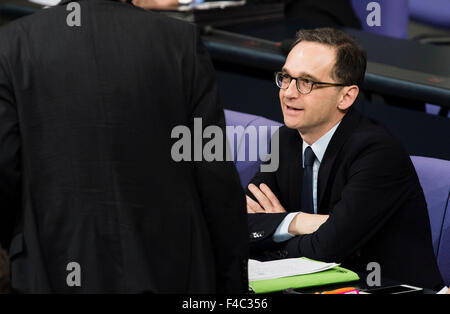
<point x="91" y="198"/>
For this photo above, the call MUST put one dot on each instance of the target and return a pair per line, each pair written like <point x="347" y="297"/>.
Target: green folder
<point x="331" y="276"/>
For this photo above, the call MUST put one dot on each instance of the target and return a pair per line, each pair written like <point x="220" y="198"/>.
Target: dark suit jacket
<point x="86" y="115"/>
<point x="369" y="187"/>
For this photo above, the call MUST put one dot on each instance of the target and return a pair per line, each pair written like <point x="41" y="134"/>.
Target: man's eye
<point x="306" y="81"/>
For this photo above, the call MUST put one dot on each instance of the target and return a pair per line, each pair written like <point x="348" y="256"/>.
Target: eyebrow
<point x="302" y="75"/>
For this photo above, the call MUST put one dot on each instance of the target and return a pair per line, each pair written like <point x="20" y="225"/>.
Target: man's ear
<point x="348" y="97"/>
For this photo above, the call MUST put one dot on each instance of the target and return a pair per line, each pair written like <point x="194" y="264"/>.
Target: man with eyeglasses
<point x="345" y="190"/>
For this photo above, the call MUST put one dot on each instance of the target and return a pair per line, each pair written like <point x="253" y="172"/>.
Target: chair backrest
<point x="436" y="12"/>
<point x="394" y="17"/>
<point x="249" y="138"/>
<point x="434" y="177"/>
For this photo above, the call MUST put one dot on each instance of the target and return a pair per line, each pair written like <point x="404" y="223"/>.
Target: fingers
<point x="253" y="207"/>
<point x="276" y="205"/>
<point x="261" y="197"/>
<point x="268" y="202"/>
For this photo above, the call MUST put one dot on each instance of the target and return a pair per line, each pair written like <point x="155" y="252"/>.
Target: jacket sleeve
<point x="263" y="226"/>
<point x="9" y="158"/>
<point x="221" y="193"/>
<point x="379" y="181"/>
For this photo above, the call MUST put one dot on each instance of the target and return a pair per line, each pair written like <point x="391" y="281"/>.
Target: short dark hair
<point x="351" y="59"/>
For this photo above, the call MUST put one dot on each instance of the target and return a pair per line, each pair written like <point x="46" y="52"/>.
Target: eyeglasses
<point x="304" y="86"/>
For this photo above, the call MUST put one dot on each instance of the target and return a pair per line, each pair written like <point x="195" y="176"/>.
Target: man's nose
<point x="292" y="91"/>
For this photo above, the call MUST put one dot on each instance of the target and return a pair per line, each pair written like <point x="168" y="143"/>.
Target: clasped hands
<point x="268" y="203"/>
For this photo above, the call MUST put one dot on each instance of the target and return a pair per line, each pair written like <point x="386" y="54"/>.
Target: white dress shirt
<point x="318" y="147"/>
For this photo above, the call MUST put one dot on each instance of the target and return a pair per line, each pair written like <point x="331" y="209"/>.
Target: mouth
<point x="292" y="109"/>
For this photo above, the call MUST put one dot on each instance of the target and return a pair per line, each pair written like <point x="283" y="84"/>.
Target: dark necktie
<point x="307" y="188"/>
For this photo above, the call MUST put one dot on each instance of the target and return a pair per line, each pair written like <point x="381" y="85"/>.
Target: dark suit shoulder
<point x="371" y="146"/>
<point x="56" y="18"/>
<point x="11" y="32"/>
<point x="371" y="134"/>
<point x="288" y="136"/>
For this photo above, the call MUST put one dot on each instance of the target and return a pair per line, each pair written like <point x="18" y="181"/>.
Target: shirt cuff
<point x="282" y="234"/>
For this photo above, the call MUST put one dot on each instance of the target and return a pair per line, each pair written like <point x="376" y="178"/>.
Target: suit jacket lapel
<point x="348" y="124"/>
<point x="295" y="171"/>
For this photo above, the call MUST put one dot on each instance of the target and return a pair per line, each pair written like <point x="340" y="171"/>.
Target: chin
<point x="291" y="124"/>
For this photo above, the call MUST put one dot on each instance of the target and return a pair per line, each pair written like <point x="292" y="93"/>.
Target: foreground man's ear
<point x="155" y="4"/>
<point x="5" y="283"/>
<point x="348" y="97"/>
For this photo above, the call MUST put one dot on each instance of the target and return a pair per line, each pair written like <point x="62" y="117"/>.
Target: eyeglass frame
<point x="312" y="83"/>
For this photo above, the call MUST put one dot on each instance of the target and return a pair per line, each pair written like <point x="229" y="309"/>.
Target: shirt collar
<point x="320" y="146"/>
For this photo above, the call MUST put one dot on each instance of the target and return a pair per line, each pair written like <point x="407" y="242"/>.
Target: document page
<point x="284" y="268"/>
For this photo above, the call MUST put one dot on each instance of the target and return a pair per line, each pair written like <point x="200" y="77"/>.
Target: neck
<point x="311" y="136"/>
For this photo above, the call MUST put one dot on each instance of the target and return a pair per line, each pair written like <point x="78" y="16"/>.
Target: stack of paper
<point x="285" y="268"/>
